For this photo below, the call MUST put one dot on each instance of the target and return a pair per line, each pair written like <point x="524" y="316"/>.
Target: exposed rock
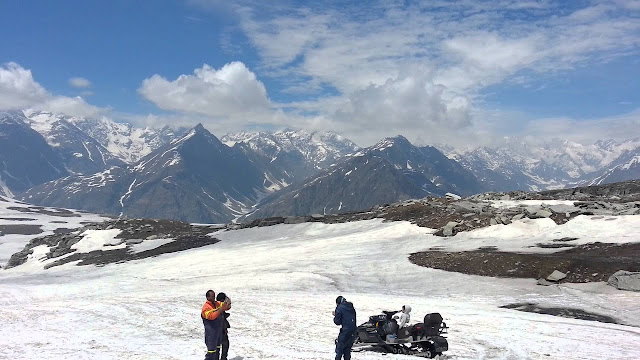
<point x="556" y="276"/>
<point x="563" y="312"/>
<point x="543" y="213"/>
<point x="451" y="196"/>
<point x="448" y="229"/>
<point x="579" y="263"/>
<point x="545" y="282"/>
<point x="133" y="231"/>
<point x="625" y="280"/>
<point x="294" y="219"/>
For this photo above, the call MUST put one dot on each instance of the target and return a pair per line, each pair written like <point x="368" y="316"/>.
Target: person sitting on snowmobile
<point x="403" y="316"/>
<point x="222" y="297"/>
<point x="211" y="311"/>
<point x="345" y="316"/>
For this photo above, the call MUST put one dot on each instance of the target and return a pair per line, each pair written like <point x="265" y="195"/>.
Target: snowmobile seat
<point x="417" y="330"/>
<point x="390" y="327"/>
<point x="404" y="332"/>
<point x="432" y="324"/>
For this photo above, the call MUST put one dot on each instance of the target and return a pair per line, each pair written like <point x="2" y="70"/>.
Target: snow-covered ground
<point x="41" y="221"/>
<point x="283" y="281"/>
<point x="523" y="235"/>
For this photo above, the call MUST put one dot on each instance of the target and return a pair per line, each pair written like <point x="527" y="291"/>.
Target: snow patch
<point x="149" y="245"/>
<point x="99" y="240"/>
<point x="129" y="191"/>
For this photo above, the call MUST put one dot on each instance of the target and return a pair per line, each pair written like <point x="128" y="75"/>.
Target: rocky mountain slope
<point x="517" y="165"/>
<point x="625" y="167"/>
<point x="195" y="178"/>
<point x="122" y="141"/>
<point x="292" y="155"/>
<point x="26" y="160"/>
<point x="389" y="171"/>
<point x="81" y="153"/>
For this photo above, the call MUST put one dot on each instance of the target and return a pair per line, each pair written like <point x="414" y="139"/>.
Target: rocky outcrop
<point x="620" y="192"/>
<point x="177" y="236"/>
<point x="450" y="217"/>
<point x="625" y="280"/>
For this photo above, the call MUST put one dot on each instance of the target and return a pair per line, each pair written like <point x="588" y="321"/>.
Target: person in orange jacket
<point x="213" y="320"/>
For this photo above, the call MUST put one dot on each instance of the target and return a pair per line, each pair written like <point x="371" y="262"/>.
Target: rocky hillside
<point x="390" y="171"/>
<point x="625" y="167"/>
<point x="292" y="155"/>
<point x="449" y="218"/>
<point x="81" y="153"/>
<point x="195" y="178"/>
<point x="26" y="160"/>
<point x="115" y="241"/>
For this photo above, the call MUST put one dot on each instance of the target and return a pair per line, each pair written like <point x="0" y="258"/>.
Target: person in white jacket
<point x="403" y="316"/>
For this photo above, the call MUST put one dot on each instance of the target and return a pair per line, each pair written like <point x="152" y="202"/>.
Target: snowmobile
<point x="424" y="339"/>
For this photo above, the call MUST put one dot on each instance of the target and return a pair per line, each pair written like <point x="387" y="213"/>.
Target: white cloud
<point x="18" y="90"/>
<point x="79" y="82"/>
<point x="463" y="46"/>
<point x="73" y="106"/>
<point x="231" y="91"/>
<point x="408" y="105"/>
<point x="584" y="131"/>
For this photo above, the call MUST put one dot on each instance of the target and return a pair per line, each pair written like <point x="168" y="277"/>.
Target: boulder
<point x="448" y="229"/>
<point x="542" y="213"/>
<point x="556" y="276"/>
<point x="451" y="196"/>
<point x="517" y="217"/>
<point x="625" y="280"/>
<point x="544" y="282"/>
<point x="294" y="220"/>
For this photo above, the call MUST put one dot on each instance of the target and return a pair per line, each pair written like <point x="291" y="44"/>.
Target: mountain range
<point x="189" y="174"/>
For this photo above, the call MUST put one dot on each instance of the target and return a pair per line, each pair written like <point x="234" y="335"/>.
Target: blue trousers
<point x="213" y="340"/>
<point x="344" y="344"/>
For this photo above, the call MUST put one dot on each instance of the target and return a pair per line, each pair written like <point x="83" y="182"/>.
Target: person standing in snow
<point x="212" y="317"/>
<point x="222" y="297"/>
<point x="345" y="316"/>
<point x="403" y="316"/>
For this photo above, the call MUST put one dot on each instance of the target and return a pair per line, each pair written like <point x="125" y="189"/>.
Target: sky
<point x="463" y="73"/>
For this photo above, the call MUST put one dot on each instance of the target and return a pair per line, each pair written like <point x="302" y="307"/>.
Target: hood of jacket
<point x="346" y="306"/>
<point x="407" y="309"/>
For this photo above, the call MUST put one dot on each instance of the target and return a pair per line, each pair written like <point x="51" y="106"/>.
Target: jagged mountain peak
<point x="319" y="149"/>
<point x="197" y="133"/>
<point x="200" y="128"/>
<point x="122" y="140"/>
<point x="12" y="118"/>
<point x="387" y="142"/>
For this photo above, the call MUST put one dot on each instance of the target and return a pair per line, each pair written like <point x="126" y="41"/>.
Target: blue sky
<point x="445" y="72"/>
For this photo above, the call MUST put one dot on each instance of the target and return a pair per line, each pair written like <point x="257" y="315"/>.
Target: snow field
<point x="12" y="243"/>
<point x="283" y="281"/>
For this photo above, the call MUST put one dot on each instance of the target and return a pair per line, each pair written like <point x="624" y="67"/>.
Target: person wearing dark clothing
<point x="345" y="316"/>
<point x="222" y="297"/>
<point x="212" y="320"/>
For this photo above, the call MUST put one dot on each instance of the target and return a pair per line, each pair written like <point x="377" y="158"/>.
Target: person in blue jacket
<point x="345" y="316"/>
